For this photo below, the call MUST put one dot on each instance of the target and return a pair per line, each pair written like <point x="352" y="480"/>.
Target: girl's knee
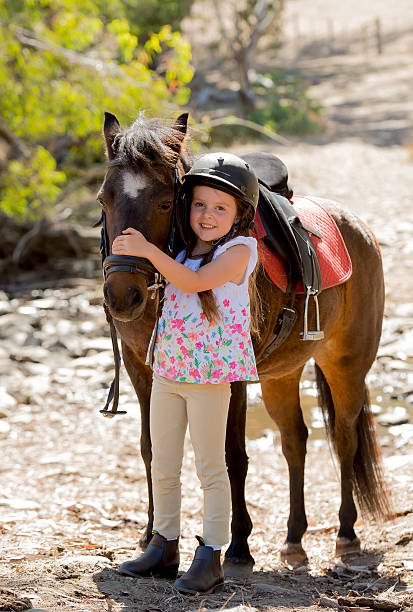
<point x="216" y="477"/>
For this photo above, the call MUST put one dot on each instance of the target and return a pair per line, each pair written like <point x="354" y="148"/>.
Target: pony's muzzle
<point x="125" y="301"/>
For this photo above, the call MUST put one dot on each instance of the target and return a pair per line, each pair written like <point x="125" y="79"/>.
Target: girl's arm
<point x="228" y="267"/>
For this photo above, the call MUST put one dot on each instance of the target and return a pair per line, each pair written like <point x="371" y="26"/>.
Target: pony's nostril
<point x="122" y="301"/>
<point x="135" y="296"/>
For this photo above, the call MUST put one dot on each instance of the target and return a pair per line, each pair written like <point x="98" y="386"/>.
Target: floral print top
<point x="190" y="349"/>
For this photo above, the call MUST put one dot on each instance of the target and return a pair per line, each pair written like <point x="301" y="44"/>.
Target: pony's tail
<point x="368" y="481"/>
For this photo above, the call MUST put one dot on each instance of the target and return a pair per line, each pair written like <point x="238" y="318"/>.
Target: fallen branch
<point x="46" y="241"/>
<point x="89" y="176"/>
<point x="225" y="121"/>
<point x="27" y="240"/>
<point x="376" y="603"/>
<point x="328" y="602"/>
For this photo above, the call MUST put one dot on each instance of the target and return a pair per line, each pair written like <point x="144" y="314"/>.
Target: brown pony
<point x="138" y="192"/>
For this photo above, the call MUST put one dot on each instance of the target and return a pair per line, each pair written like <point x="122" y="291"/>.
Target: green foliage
<point x="62" y="64"/>
<point x="29" y="190"/>
<point x="148" y="16"/>
<point x="283" y="105"/>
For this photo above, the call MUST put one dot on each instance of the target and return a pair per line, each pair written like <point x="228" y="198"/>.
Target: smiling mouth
<point x="205" y="226"/>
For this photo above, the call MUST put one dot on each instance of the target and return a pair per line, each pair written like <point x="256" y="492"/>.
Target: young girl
<point x="203" y="343"/>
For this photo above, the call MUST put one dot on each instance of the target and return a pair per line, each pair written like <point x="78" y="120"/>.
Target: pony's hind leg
<point x="341" y="403"/>
<point x="238" y="559"/>
<point x="282" y="401"/>
<point x="345" y="403"/>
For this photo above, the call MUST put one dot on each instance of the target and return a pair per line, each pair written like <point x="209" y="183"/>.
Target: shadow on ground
<point x="353" y="575"/>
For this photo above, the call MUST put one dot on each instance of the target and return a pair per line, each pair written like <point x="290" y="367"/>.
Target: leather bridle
<point x="138" y="265"/>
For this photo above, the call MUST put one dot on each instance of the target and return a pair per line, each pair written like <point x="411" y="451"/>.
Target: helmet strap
<point x="226" y="237"/>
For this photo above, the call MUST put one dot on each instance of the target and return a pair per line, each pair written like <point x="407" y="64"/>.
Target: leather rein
<point x="136" y="265"/>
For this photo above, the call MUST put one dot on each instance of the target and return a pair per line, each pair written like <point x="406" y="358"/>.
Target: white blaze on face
<point x="132" y="183"/>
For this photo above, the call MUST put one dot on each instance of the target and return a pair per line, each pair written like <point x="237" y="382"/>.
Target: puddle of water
<point x="383" y="406"/>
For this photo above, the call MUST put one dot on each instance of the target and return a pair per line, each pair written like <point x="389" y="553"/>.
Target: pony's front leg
<point x="238" y="560"/>
<point x="282" y="401"/>
<point x="141" y="379"/>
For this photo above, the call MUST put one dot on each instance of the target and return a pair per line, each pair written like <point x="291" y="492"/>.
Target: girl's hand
<point x="131" y="243"/>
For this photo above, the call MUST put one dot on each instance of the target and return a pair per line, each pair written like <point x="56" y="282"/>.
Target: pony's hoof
<point x="237" y="570"/>
<point x="344" y="546"/>
<point x="293" y="554"/>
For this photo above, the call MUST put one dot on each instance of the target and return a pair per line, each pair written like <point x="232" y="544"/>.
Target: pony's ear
<point x="111" y="127"/>
<point x="181" y="123"/>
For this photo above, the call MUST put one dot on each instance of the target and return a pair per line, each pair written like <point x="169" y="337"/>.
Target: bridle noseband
<point x="130" y="263"/>
<point x="127" y="263"/>
<point x="155" y="282"/>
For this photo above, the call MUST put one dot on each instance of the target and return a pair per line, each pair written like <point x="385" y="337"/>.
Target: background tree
<point x="148" y="16"/>
<point x="243" y="25"/>
<point x="242" y="87"/>
<point x="62" y="63"/>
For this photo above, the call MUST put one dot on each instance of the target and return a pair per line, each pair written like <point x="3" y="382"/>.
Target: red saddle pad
<point x="333" y="257"/>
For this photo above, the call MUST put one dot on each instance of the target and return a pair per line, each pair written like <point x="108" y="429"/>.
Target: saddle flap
<point x="287" y="238"/>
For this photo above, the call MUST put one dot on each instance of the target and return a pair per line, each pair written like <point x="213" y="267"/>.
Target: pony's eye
<point x="165" y="206"/>
<point x="101" y="202"/>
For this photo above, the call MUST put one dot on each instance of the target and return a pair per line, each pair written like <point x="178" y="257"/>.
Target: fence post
<point x="379" y="40"/>
<point x="297" y="34"/>
<point x="365" y="39"/>
<point x="330" y="30"/>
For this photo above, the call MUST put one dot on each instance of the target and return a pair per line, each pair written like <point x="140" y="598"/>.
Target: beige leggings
<point x="205" y="409"/>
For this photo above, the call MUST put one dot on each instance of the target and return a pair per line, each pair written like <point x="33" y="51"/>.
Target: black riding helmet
<point x="226" y="172"/>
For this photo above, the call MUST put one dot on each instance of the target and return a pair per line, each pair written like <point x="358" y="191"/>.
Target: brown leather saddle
<point x="289" y="238"/>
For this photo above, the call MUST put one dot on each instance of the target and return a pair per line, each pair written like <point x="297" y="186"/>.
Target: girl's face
<point x="213" y="213"/>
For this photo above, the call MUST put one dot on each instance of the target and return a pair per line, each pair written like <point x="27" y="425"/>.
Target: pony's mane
<point x="150" y="144"/>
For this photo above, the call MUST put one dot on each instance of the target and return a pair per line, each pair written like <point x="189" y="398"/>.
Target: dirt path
<point x="73" y="496"/>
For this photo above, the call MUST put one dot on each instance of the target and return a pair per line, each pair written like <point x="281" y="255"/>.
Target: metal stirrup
<point x="307" y="334"/>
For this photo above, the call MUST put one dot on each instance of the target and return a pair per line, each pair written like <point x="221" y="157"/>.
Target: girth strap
<point x="285" y="323"/>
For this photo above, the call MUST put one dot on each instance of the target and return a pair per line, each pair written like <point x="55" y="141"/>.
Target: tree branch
<point x="222" y="27"/>
<point x="244" y="123"/>
<point x="100" y="65"/>
<point x="20" y="148"/>
<point x="265" y="18"/>
<point x="89" y="176"/>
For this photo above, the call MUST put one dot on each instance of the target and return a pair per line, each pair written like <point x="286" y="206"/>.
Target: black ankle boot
<point x="205" y="574"/>
<point x="160" y="559"/>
